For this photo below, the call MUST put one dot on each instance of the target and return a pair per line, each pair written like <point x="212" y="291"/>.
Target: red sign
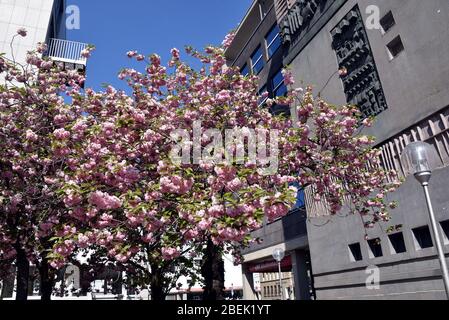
<point x="271" y="266"/>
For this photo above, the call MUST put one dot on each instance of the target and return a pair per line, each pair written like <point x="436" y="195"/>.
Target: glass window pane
<point x="273" y="40"/>
<point x="261" y="92"/>
<point x="281" y="91"/>
<point x="245" y="70"/>
<point x="274" y="47"/>
<point x="278" y="79"/>
<point x="257" y="60"/>
<point x="258" y="66"/>
<point x="279" y="88"/>
<point x="274" y="32"/>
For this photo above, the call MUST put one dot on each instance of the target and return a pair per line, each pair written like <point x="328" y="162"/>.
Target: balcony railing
<point x="66" y="51"/>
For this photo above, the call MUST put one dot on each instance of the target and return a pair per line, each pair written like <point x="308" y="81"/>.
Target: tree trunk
<point x="46" y="280"/>
<point x="157" y="288"/>
<point x="23" y="275"/>
<point x="212" y="271"/>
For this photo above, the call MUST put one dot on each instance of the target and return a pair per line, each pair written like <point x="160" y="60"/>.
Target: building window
<point x="273" y="40"/>
<point x="262" y="99"/>
<point x="395" y="47"/>
<point x="355" y="252"/>
<point x="397" y="243"/>
<point x="387" y="22"/>
<point x="279" y="88"/>
<point x="375" y="248"/>
<point x="300" y="197"/>
<point x="422" y="237"/>
<point x="245" y="70"/>
<point x="257" y="60"/>
<point x="445" y="228"/>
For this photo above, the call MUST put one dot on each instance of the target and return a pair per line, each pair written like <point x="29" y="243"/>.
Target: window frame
<point x="260" y="59"/>
<point x="245" y="66"/>
<point x="358" y="248"/>
<point x="393" y="248"/>
<point x="277" y="37"/>
<point x="278" y="86"/>
<point x="260" y="92"/>
<point x="419" y="244"/>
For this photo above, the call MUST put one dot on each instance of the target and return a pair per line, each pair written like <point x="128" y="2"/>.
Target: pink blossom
<point x="175" y="184"/>
<point x="104" y="201"/>
<point x="343" y="72"/>
<point x="276" y="210"/>
<point x="31" y="136"/>
<point x="228" y="40"/>
<point x="148" y="238"/>
<point x="85" y="53"/>
<point x="83" y="241"/>
<point x="175" y="53"/>
<point x="216" y="210"/>
<point x="288" y="77"/>
<point x="204" y="225"/>
<point x="131" y="54"/>
<point x="72" y="200"/>
<point x="170" y="253"/>
<point x="122" y="257"/>
<point x="235" y="184"/>
<point x="223" y="96"/>
<point x="61" y="134"/>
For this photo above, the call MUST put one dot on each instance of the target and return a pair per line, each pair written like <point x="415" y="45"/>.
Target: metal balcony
<point x="67" y="54"/>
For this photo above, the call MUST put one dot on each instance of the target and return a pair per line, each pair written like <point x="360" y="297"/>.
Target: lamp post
<point x="418" y="158"/>
<point x="278" y="255"/>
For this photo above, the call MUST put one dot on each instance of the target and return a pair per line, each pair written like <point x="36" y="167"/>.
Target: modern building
<point x="397" y="72"/>
<point x="44" y="21"/>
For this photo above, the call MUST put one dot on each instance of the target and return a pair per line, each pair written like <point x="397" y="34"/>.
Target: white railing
<point x="66" y="51"/>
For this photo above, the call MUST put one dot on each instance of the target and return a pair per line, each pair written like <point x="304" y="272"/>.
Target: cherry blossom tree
<point x="185" y="165"/>
<point x="31" y="111"/>
<point x="150" y="178"/>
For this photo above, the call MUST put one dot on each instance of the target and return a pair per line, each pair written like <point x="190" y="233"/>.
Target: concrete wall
<point x="416" y="85"/>
<point x="33" y="15"/>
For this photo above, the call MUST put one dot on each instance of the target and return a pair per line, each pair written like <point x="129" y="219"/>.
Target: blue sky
<point x="149" y="26"/>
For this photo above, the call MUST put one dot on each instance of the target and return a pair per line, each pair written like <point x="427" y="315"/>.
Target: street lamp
<point x="278" y="255"/>
<point x="419" y="158"/>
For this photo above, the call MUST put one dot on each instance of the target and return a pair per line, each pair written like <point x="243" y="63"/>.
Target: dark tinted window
<point x="356" y="252"/>
<point x="279" y="88"/>
<point x="257" y="60"/>
<point x="397" y="242"/>
<point x="423" y="237"/>
<point x="375" y="247"/>
<point x="245" y="70"/>
<point x="273" y="40"/>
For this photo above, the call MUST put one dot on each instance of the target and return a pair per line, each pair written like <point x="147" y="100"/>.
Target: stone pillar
<point x="248" y="284"/>
<point x="300" y="276"/>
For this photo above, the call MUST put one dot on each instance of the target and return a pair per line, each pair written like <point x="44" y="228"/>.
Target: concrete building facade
<point x="397" y="72"/>
<point x="41" y="18"/>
